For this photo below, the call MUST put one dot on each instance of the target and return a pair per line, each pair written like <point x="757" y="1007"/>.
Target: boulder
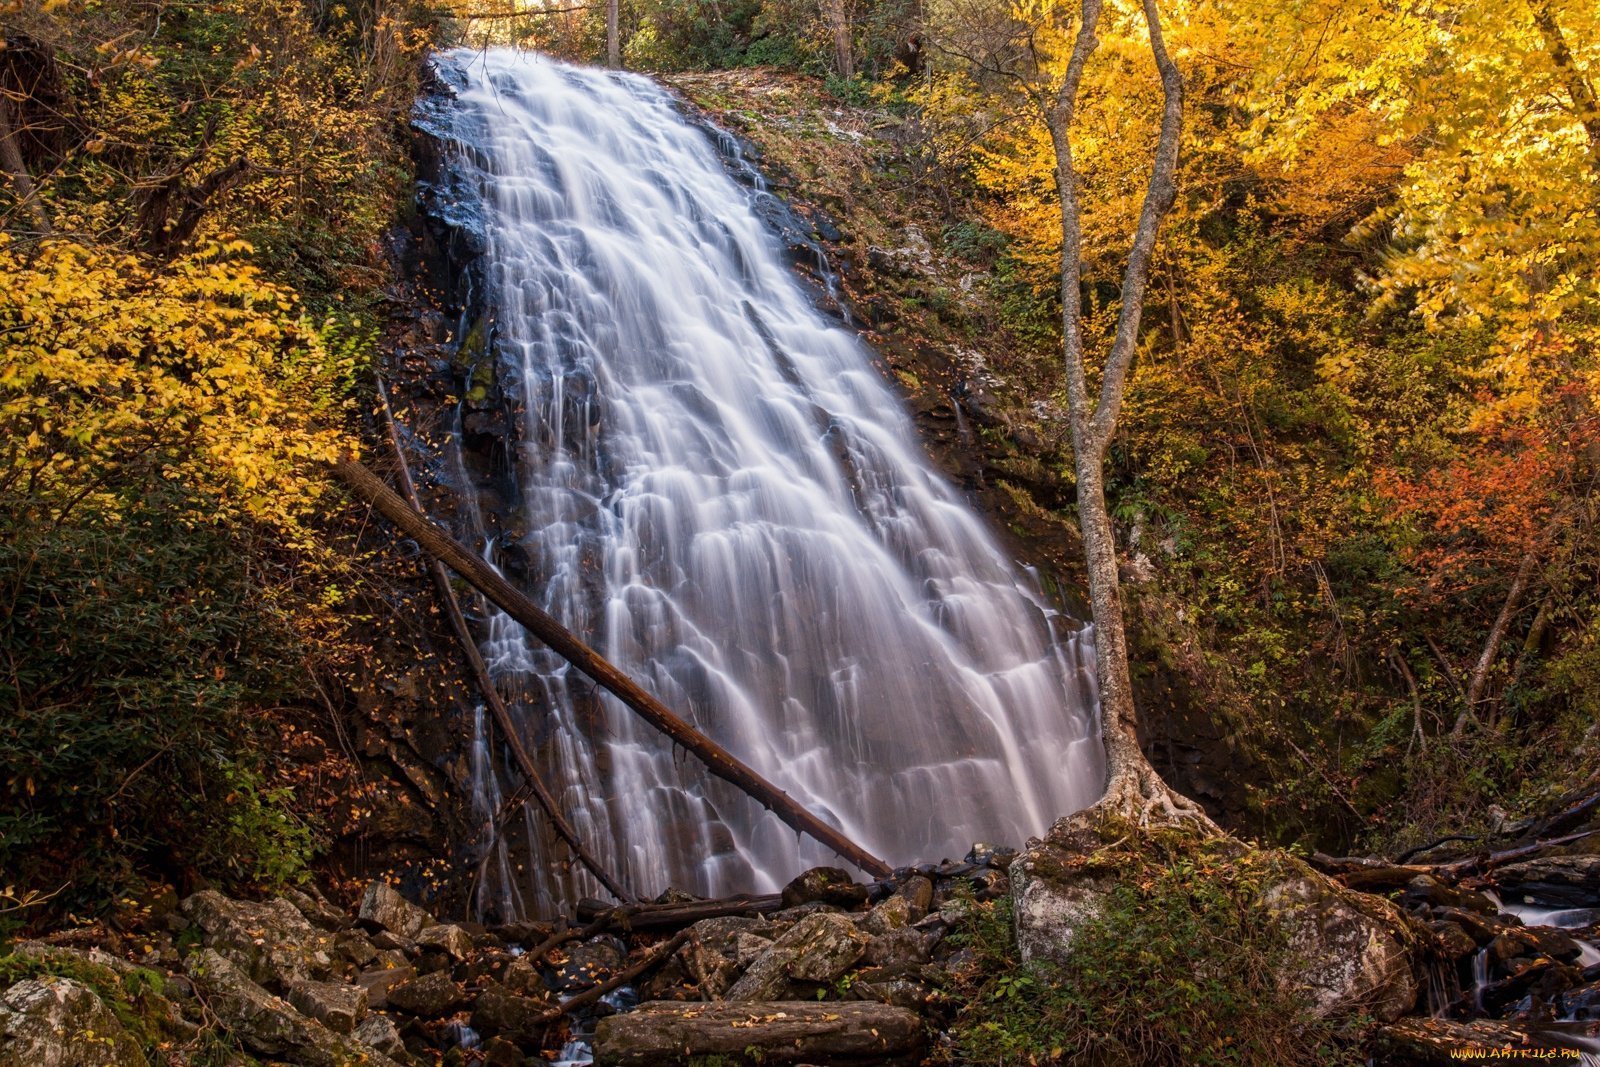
<point x="429" y="996"/>
<point x="817" y="949"/>
<point x="1352" y="950"/>
<point x="318" y="913"/>
<point x="903" y="947"/>
<point x="377" y="981"/>
<point x="918" y="892"/>
<point x="336" y="1005"/>
<point x="590" y="962"/>
<point x="379" y="1032"/>
<point x="854" y="1034"/>
<point x="1349" y="952"/>
<point x="267" y="1024"/>
<point x="384" y="908"/>
<point x="500" y="1011"/>
<point x="355" y="947"/>
<point x="824" y="885"/>
<point x="891" y="913"/>
<point x="270" y="941"/>
<point x="447" y="938"/>
<point x="59" y="1022"/>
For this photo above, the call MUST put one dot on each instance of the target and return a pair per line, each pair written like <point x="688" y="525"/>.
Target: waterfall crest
<point x="720" y="494"/>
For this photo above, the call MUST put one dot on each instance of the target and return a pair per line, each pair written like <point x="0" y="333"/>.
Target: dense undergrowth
<point x="192" y="259"/>
<point x="1176" y="967"/>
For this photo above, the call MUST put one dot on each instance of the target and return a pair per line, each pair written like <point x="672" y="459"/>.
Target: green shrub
<point x="137" y="648"/>
<point x="1183" y="966"/>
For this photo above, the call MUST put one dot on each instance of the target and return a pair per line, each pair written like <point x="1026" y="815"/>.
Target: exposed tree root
<point x="1137" y="793"/>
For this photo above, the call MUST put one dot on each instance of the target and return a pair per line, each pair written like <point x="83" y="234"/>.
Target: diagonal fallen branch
<point x="533" y="783"/>
<point x="718" y="760"/>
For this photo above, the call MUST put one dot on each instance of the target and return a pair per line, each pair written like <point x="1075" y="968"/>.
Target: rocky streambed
<point x="1418" y="965"/>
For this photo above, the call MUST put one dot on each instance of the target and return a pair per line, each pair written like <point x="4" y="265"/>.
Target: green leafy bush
<point x="137" y="647"/>
<point x="1181" y="967"/>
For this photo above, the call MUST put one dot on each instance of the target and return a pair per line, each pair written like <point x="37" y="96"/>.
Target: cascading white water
<point x="724" y="497"/>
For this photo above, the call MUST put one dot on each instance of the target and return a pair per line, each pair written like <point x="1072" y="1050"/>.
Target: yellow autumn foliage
<point x="114" y="371"/>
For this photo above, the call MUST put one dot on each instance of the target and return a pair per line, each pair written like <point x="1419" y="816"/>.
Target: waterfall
<point x="718" y="491"/>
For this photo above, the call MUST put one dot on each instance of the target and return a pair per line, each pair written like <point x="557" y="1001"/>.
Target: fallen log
<point x="721" y="763"/>
<point x="687" y="913"/>
<point x="1488" y="861"/>
<point x="446" y="593"/>
<point x="842" y="1033"/>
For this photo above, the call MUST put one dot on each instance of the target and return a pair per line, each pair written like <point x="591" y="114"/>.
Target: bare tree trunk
<point x="1132" y="785"/>
<point x="17" y="170"/>
<point x="613" y="37"/>
<point x="837" y="15"/>
<point x="1491" y="647"/>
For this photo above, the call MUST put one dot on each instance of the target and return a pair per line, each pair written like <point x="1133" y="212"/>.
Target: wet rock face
<point x="58" y="1022"/>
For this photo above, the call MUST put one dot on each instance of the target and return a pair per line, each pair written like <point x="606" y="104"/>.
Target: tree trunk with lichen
<point x="1132" y="785"/>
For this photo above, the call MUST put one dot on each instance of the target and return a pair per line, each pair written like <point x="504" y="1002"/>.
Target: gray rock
<point x="447" y="938"/>
<point x="827" y="885"/>
<point x="747" y="948"/>
<point x="355" y="947"/>
<point x="1352" y="948"/>
<point x="59" y="1022"/>
<point x="271" y="941"/>
<point x="818" y="949"/>
<point x="901" y="947"/>
<point x="379" y="1032"/>
<point x="377" y="981"/>
<point x="500" y="1011"/>
<point x="382" y="906"/>
<point x="667" y="1033"/>
<point x="918" y="892"/>
<point x="891" y="913"/>
<point x="429" y="996"/>
<point x="318" y="913"/>
<point x="268" y="1025"/>
<point x="336" y="1005"/>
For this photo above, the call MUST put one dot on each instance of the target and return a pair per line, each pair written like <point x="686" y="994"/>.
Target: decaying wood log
<point x="718" y="760"/>
<point x="667" y="1033"/>
<point x="672" y="916"/>
<point x="1375" y="875"/>
<point x="446" y="593"/>
<point x="1488" y="861"/>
